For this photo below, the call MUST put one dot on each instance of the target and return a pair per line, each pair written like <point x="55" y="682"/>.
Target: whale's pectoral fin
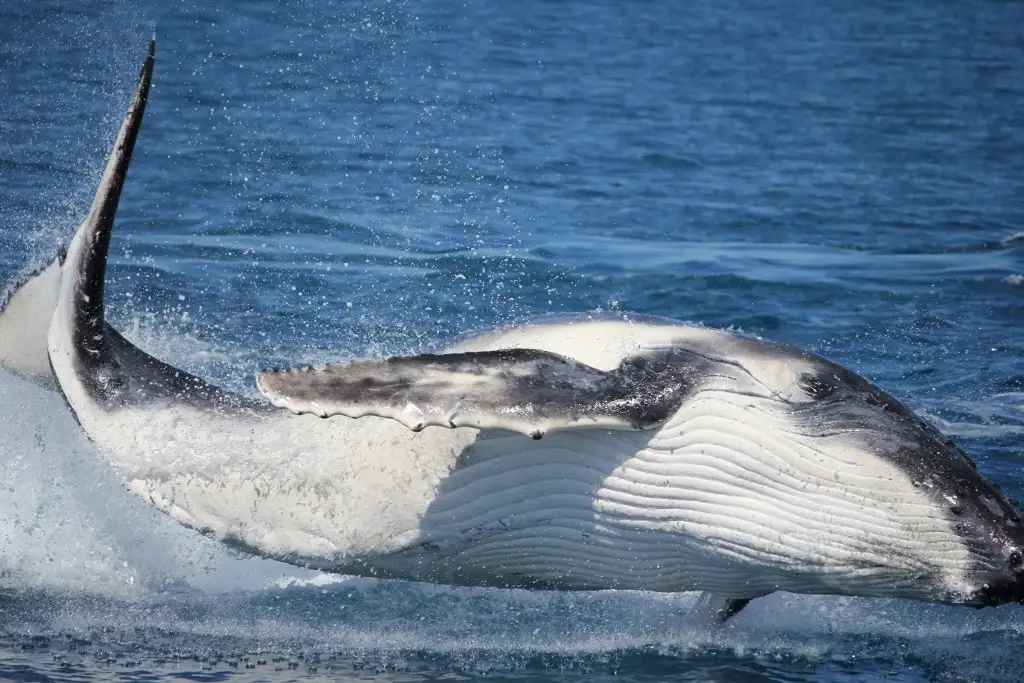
<point x="524" y="390"/>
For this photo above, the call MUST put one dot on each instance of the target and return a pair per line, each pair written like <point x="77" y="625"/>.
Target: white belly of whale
<point x="724" y="498"/>
<point x="703" y="505"/>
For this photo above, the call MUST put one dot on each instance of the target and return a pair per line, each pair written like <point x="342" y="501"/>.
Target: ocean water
<point x="322" y="180"/>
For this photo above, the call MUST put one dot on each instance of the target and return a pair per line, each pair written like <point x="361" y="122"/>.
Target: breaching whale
<point x="673" y="457"/>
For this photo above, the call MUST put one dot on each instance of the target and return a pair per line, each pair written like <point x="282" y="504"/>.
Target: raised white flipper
<point x="523" y="390"/>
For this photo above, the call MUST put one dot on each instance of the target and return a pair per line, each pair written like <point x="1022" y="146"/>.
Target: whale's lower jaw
<point x="723" y="499"/>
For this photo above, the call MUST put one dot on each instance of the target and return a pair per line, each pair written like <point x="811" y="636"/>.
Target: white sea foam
<point x="67" y="524"/>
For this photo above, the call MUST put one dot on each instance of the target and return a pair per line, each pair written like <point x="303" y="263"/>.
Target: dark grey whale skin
<point x="117" y="374"/>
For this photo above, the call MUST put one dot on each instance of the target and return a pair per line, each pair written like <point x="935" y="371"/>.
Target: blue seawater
<point x="321" y="179"/>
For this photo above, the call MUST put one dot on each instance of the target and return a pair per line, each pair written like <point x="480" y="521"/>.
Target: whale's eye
<point x="816" y="386"/>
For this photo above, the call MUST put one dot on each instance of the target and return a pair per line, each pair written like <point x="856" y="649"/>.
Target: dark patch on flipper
<point x="133" y="377"/>
<point x="524" y="390"/>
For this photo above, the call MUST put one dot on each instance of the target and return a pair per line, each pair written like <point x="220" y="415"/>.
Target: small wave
<point x="392" y="626"/>
<point x="671" y="161"/>
<point x="1014" y="240"/>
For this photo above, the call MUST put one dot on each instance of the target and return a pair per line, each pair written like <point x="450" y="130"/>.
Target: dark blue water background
<point x="321" y="180"/>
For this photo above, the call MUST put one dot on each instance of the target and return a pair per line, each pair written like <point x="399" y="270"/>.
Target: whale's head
<point x="817" y="481"/>
<point x="979" y="560"/>
<point x="988" y="524"/>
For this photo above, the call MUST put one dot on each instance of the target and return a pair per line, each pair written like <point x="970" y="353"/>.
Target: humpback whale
<point x="575" y="453"/>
